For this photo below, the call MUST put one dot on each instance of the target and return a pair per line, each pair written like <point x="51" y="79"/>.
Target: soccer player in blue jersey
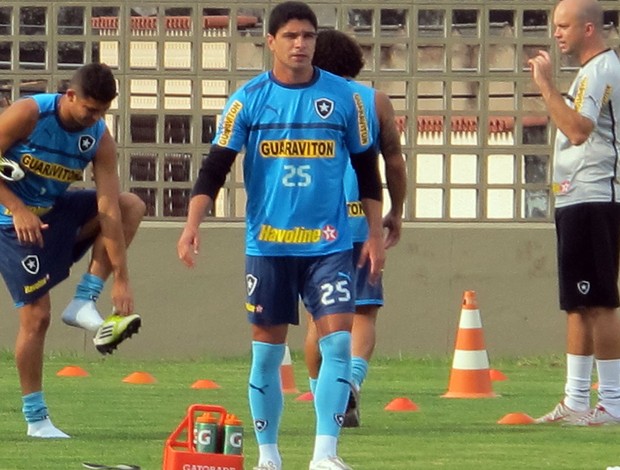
<point x="340" y="54"/>
<point x="47" y="141"/>
<point x="300" y="126"/>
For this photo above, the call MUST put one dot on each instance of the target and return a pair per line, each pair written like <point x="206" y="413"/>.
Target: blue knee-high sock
<point x="265" y="390"/>
<point x="333" y="384"/>
<point x="359" y="370"/>
<point x="34" y="407"/>
<point x="89" y="287"/>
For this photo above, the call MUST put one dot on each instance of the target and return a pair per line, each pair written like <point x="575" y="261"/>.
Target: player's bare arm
<point x="189" y="241"/>
<point x="369" y="184"/>
<point x="395" y="168"/>
<point x="210" y="180"/>
<point x="373" y="249"/>
<point x="16" y="123"/>
<point x="108" y="190"/>
<point x="572" y="124"/>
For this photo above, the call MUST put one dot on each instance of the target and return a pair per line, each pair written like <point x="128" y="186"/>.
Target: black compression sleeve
<point x="367" y="171"/>
<point x="213" y="171"/>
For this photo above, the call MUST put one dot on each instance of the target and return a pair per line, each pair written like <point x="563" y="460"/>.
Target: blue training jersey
<point x="357" y="219"/>
<point x="298" y="139"/>
<point x="52" y="157"/>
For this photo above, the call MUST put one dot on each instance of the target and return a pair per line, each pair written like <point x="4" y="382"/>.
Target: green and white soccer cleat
<point x="114" y="330"/>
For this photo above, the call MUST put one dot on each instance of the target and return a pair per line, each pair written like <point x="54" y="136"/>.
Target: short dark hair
<point x="338" y="53"/>
<point x="95" y="81"/>
<point x="287" y="11"/>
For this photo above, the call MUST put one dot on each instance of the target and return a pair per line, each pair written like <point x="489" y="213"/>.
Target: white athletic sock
<point x="578" y="381"/>
<point x="83" y="314"/>
<point x="45" y="429"/>
<point x="609" y="385"/>
<point x="324" y="447"/>
<point x="269" y="456"/>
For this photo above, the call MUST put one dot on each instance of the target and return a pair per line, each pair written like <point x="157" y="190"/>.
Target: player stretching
<point x="50" y="138"/>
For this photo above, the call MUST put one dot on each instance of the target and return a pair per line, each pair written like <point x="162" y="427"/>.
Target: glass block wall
<point x="477" y="139"/>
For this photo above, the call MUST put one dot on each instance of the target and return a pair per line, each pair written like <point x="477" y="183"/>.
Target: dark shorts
<point x="588" y="244"/>
<point x="365" y="292"/>
<point x="276" y="283"/>
<point x="30" y="271"/>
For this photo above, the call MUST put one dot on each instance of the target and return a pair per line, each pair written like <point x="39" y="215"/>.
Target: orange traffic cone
<point x="286" y="373"/>
<point x="470" y="377"/>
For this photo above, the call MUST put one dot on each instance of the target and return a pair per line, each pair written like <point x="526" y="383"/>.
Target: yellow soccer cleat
<point x="114" y="330"/>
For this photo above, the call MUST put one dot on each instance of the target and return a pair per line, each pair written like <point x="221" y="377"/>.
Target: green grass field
<point x="113" y="422"/>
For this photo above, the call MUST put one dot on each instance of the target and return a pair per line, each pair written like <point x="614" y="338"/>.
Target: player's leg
<point x="34" y="320"/>
<point x="82" y="311"/>
<point x="579" y="363"/>
<point x="29" y="272"/>
<point x="265" y="392"/>
<point x="607" y="352"/>
<point x="572" y="261"/>
<point x="329" y="296"/>
<point x="363" y="340"/>
<point x="312" y="355"/>
<point x="576" y="254"/>
<point x="369" y="298"/>
<point x="272" y="304"/>
<point x="333" y="383"/>
<point x="132" y="211"/>
<point x="116" y="328"/>
<point x="600" y="295"/>
<point x="579" y="360"/>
